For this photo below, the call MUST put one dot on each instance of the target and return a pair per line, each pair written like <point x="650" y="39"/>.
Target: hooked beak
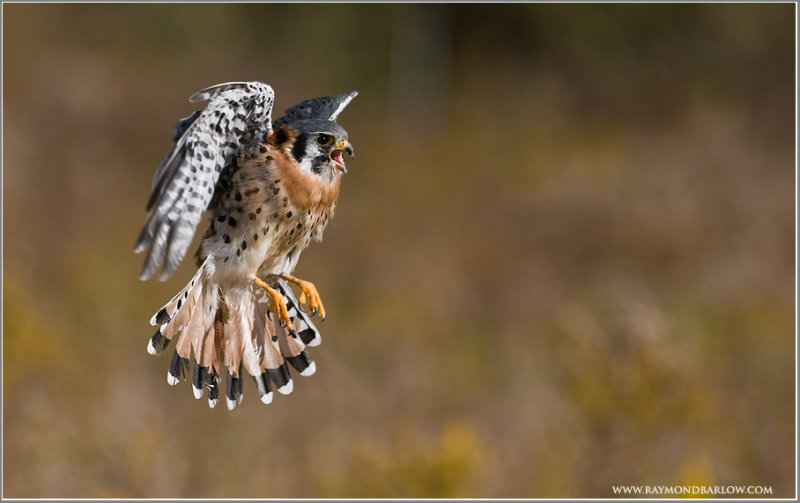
<point x="336" y="155"/>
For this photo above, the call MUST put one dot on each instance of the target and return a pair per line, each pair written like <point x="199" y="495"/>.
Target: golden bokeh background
<point x="562" y="260"/>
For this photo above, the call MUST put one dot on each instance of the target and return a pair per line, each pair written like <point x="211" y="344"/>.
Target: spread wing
<point x="237" y="116"/>
<point x="327" y="108"/>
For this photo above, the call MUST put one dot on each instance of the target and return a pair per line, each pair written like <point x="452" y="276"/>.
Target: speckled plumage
<point x="271" y="189"/>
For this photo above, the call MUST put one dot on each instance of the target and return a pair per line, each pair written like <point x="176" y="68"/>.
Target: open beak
<point x="336" y="155"/>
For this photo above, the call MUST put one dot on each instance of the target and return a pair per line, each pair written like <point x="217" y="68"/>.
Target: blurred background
<point x="562" y="260"/>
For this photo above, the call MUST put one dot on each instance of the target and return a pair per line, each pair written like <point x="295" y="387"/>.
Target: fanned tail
<point x="233" y="332"/>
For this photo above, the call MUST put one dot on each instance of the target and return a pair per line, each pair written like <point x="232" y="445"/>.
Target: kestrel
<point x="271" y="188"/>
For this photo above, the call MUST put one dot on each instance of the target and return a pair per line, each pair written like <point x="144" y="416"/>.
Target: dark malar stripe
<point x="299" y="147"/>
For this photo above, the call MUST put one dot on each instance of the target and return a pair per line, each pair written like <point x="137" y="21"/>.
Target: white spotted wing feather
<point x="237" y="116"/>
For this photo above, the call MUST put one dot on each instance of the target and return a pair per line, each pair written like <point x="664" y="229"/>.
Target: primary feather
<point x="205" y="143"/>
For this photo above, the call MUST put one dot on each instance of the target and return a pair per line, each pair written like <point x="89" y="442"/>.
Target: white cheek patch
<point x="306" y="164"/>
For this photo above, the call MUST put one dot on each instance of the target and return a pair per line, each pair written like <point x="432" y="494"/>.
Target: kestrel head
<point x="320" y="146"/>
<point x="318" y="142"/>
<point x="316" y="145"/>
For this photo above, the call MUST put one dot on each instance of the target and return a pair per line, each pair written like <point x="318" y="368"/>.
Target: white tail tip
<point x="150" y="348"/>
<point x="198" y="392"/>
<point x="230" y="403"/>
<point x="266" y="398"/>
<point x="172" y="380"/>
<point x="286" y="388"/>
<point x="212" y="403"/>
<point x="310" y="370"/>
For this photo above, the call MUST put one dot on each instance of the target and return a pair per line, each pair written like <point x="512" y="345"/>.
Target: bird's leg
<point x="308" y="295"/>
<point x="276" y="304"/>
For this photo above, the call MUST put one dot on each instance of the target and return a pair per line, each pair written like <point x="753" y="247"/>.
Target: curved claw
<point x="308" y="295"/>
<point x="277" y="304"/>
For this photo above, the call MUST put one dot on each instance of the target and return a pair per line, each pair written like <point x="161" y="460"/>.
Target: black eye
<point x="324" y="140"/>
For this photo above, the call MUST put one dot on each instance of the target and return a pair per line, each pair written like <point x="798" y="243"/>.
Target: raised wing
<point x="237" y="116"/>
<point x="327" y="108"/>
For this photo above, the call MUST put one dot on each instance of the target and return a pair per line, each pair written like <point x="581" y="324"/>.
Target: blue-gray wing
<point x="326" y="108"/>
<point x="236" y="118"/>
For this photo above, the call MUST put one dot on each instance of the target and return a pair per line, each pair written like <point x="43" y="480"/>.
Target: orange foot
<point x="276" y="304"/>
<point x="308" y="295"/>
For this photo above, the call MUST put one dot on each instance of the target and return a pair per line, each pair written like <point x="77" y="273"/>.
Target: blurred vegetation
<point x="563" y="259"/>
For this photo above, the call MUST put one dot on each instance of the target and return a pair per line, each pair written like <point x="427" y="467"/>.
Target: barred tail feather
<point x="177" y="369"/>
<point x="293" y="351"/>
<point x="210" y="381"/>
<point x="250" y="347"/>
<point x="233" y="391"/>
<point x="186" y="322"/>
<point x="237" y="336"/>
<point x="272" y="360"/>
<point x="264" y="332"/>
<point x="232" y="341"/>
<point x="198" y="375"/>
<point x="302" y="323"/>
<point x="168" y="311"/>
<point x="158" y="343"/>
<point x="264" y="388"/>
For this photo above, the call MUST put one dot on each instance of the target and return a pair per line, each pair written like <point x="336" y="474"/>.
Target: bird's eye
<point x="325" y="140"/>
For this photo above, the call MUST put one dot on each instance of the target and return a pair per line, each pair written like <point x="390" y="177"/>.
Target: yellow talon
<point x="276" y="304"/>
<point x="308" y="295"/>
